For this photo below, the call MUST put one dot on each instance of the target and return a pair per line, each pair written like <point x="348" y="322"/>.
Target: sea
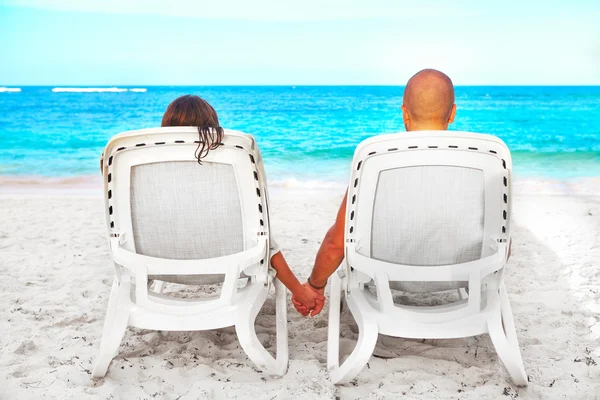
<point x="307" y="134"/>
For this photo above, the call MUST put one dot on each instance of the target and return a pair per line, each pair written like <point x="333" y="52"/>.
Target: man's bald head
<point x="428" y="101"/>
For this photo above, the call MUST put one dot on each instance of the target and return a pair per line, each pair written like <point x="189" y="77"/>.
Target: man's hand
<point x="309" y="300"/>
<point x="329" y="258"/>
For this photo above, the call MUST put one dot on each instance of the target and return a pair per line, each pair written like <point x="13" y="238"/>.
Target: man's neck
<point x="432" y="127"/>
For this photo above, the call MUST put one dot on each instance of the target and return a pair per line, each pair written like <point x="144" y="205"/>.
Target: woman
<point x="191" y="110"/>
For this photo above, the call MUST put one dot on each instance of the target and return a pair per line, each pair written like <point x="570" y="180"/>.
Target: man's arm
<point x="329" y="257"/>
<point x="331" y="252"/>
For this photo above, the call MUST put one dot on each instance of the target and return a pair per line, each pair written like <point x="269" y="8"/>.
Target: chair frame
<point x="131" y="301"/>
<point x="486" y="310"/>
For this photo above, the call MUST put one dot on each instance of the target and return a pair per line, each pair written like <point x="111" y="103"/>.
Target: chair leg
<point x="115" y="325"/>
<point x="246" y="333"/>
<point x="504" y="337"/>
<point x="367" y="339"/>
<point x="282" y="327"/>
<point x="333" y="334"/>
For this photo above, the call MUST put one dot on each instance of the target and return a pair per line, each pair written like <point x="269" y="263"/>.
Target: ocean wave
<point x="65" y="181"/>
<point x="97" y="90"/>
<point x="9" y="90"/>
<point x="88" y="90"/>
<point x="307" y="184"/>
<point x="93" y="184"/>
<point x="95" y="180"/>
<point x="568" y="185"/>
<point x="529" y="150"/>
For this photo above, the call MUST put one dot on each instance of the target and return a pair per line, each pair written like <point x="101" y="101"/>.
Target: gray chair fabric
<point x="428" y="216"/>
<point x="186" y="211"/>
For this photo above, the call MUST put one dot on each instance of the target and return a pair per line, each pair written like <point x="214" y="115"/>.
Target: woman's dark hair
<point x="191" y="110"/>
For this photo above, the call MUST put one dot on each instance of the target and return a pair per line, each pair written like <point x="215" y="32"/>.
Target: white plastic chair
<point x="426" y="212"/>
<point x="171" y="219"/>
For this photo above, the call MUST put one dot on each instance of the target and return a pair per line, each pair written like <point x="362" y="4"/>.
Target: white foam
<point x="98" y="90"/>
<point x="9" y="90"/>
<point x="89" y="90"/>
<point x="307" y="184"/>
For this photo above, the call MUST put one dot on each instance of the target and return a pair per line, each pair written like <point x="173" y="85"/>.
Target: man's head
<point x="428" y="101"/>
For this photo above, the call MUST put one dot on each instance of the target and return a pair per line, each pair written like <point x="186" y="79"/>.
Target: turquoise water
<point x="305" y="133"/>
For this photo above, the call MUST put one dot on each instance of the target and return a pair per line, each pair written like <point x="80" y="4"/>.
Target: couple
<point x="428" y="105"/>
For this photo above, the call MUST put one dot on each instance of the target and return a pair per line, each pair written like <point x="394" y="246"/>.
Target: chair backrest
<point x="428" y="198"/>
<point x="167" y="205"/>
<point x="428" y="215"/>
<point x="183" y="210"/>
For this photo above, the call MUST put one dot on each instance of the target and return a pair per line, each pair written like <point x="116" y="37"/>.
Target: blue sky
<point x="274" y="42"/>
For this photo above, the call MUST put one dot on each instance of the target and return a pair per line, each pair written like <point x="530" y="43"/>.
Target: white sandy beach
<point x="57" y="274"/>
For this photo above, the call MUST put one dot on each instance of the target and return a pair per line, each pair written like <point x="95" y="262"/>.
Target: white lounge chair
<point x="171" y="219"/>
<point x="426" y="212"/>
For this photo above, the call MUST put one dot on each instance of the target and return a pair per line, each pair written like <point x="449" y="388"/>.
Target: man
<point x="428" y="105"/>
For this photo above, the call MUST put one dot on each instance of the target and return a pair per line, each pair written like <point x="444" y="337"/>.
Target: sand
<point x="56" y="277"/>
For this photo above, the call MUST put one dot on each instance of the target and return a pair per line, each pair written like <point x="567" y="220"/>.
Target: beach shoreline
<point x="91" y="185"/>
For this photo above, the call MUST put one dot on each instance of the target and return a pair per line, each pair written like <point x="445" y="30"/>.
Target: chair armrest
<point x="163" y="266"/>
<point x="412" y="273"/>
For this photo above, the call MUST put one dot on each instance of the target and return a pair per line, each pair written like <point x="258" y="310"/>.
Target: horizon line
<point x="284" y="85"/>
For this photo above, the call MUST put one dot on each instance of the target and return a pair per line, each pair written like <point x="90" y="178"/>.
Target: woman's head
<point x="191" y="110"/>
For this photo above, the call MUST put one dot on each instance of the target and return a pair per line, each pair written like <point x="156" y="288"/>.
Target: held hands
<point x="309" y="300"/>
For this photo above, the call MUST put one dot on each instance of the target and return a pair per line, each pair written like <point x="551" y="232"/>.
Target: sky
<point x="274" y="42"/>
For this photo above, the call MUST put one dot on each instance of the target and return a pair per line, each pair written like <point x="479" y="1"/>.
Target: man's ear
<point x="405" y="116"/>
<point x="452" y="114"/>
